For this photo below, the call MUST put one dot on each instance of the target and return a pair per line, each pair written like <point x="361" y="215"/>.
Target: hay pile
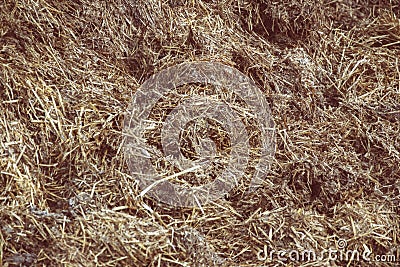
<point x="68" y="71"/>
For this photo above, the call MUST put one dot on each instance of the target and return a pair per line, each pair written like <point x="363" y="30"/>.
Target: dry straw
<point x="68" y="71"/>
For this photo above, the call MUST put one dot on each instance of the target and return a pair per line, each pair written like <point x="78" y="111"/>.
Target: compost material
<point x="69" y="70"/>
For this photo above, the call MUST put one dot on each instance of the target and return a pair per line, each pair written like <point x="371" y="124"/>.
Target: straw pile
<point x="68" y="71"/>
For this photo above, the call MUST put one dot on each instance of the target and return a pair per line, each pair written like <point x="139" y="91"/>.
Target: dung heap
<point x="329" y="71"/>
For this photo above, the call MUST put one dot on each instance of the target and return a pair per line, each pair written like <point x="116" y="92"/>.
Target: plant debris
<point x="68" y="71"/>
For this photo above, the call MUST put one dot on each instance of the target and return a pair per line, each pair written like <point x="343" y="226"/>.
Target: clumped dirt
<point x="69" y="69"/>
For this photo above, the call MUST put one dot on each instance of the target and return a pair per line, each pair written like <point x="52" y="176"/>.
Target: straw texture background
<point x="68" y="71"/>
